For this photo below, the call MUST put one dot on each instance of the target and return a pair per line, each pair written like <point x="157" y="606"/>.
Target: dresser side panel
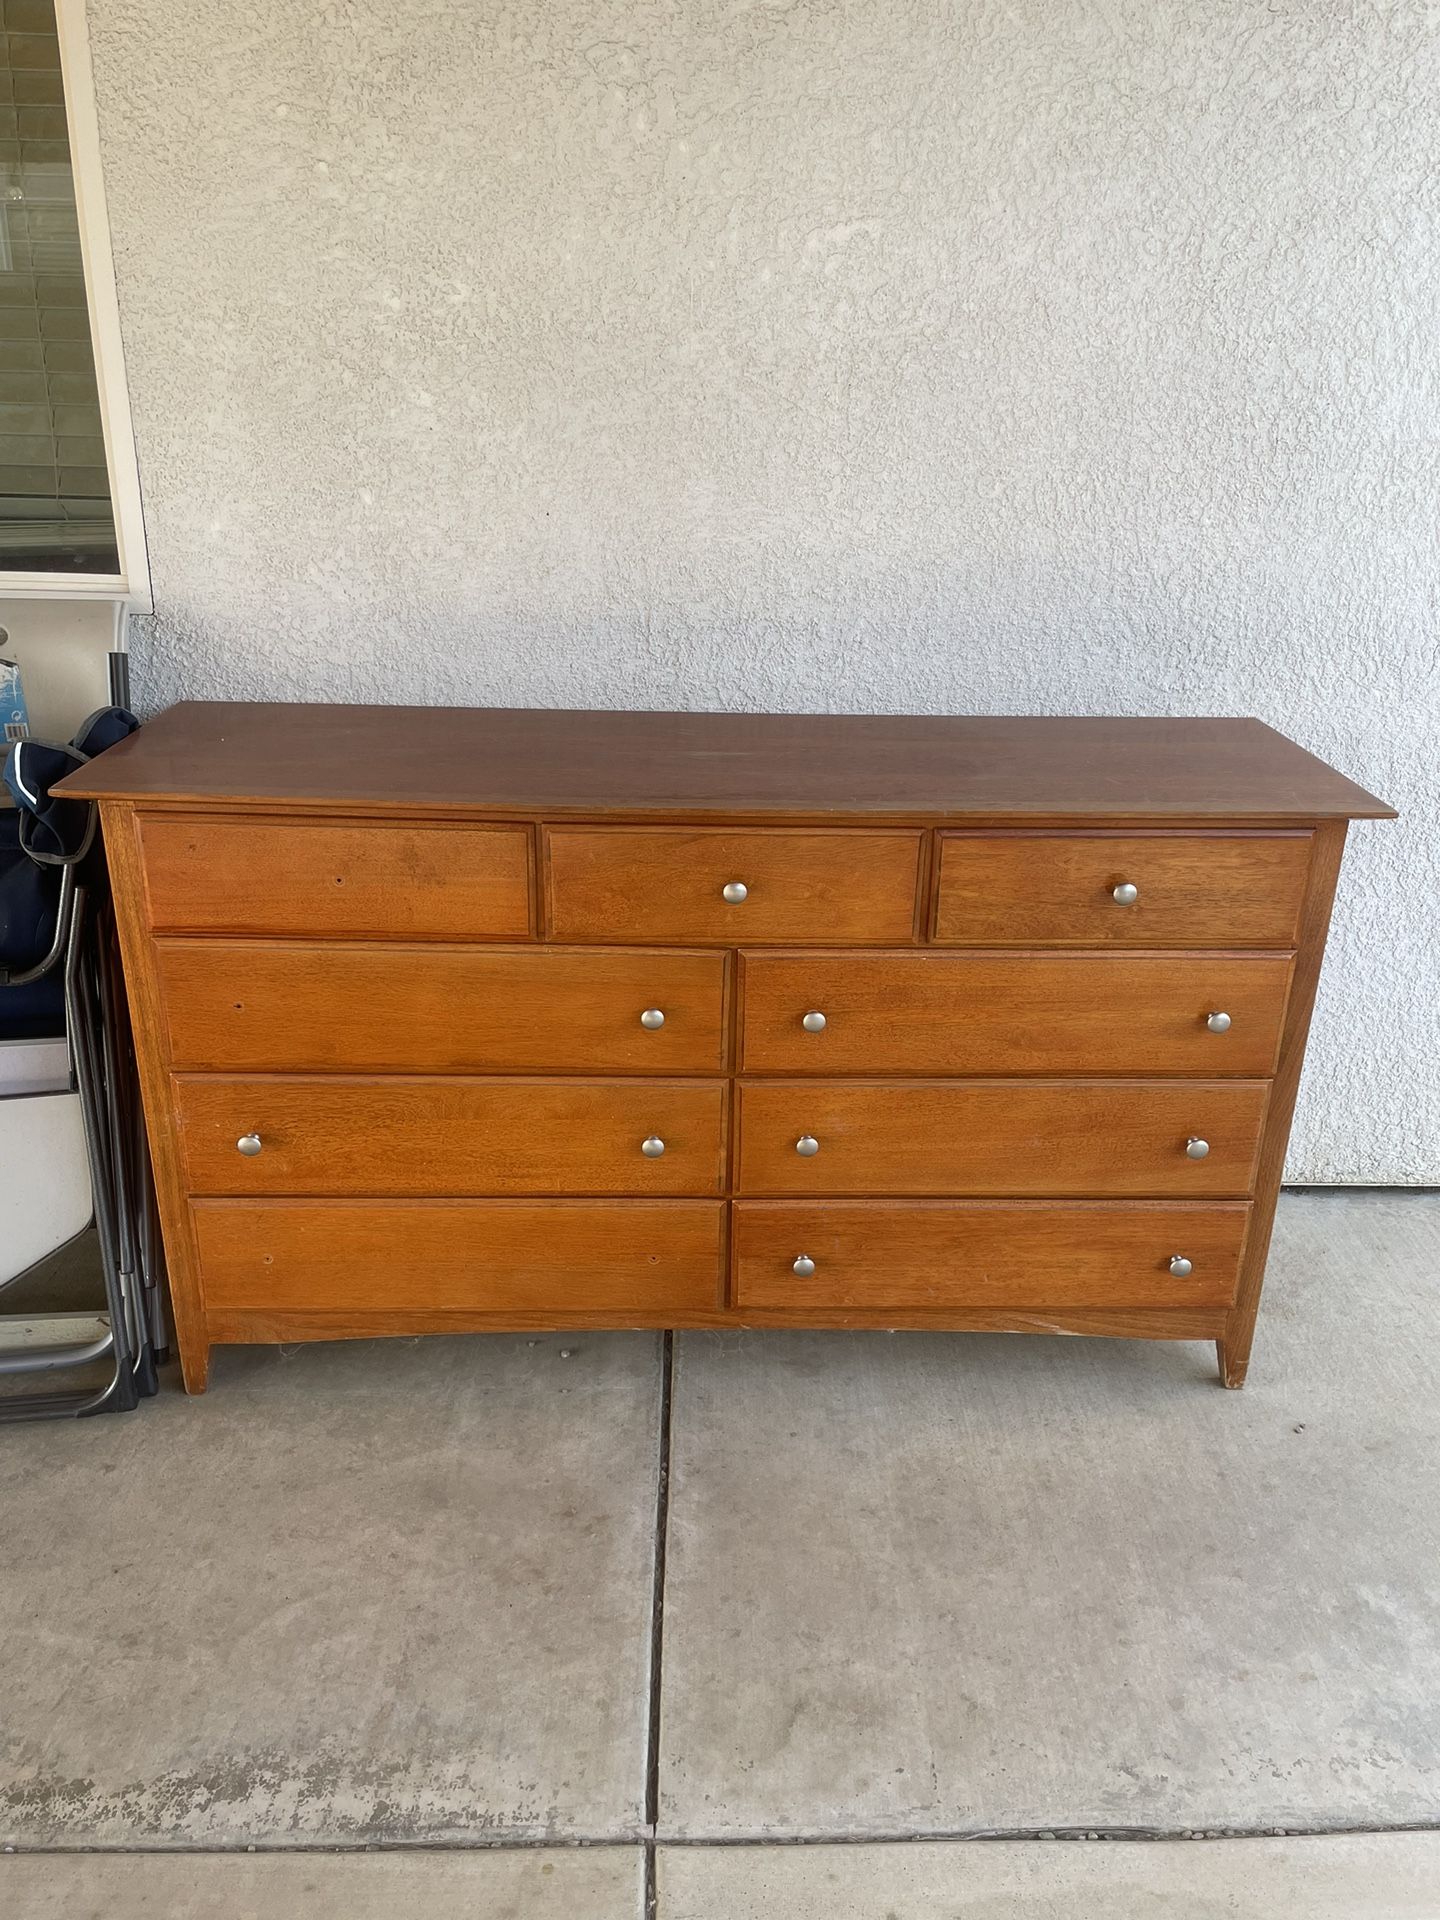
<point x="120" y="827"/>
<point x="1327" y="851"/>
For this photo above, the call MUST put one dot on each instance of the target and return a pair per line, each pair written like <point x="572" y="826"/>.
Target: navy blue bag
<point x="40" y="837"/>
<point x="29" y="903"/>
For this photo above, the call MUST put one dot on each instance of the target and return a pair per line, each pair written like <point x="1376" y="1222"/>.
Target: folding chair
<point x="60" y="973"/>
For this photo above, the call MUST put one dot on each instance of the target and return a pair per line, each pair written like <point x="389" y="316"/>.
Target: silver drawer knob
<point x="807" y="1145"/>
<point x="652" y="1019"/>
<point x="249" y="1144"/>
<point x="1179" y="1265"/>
<point x="813" y="1022"/>
<point x="1125" y="895"/>
<point x="734" y="891"/>
<point x="804" y="1266"/>
<point x="1218" y="1022"/>
<point x="652" y="1147"/>
<point x="1196" y="1149"/>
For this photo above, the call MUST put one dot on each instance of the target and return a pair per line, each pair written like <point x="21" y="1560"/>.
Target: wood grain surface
<point x="1123" y="1138"/>
<point x="290" y="1007"/>
<point x="537" y="761"/>
<point x="407" y="1135"/>
<point x="982" y="1254"/>
<point x="391" y="1256"/>
<point x="933" y="1012"/>
<point x="311" y="878"/>
<point x="642" y="884"/>
<point x="1020" y="889"/>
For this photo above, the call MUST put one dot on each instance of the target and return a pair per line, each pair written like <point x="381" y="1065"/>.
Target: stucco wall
<point x="1063" y="355"/>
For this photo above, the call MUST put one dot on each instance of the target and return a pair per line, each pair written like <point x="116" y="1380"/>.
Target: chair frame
<point x="102" y="1073"/>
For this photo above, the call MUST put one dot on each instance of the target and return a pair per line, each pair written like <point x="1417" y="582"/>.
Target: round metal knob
<point x="249" y="1144"/>
<point x="807" y="1145"/>
<point x="1125" y="895"/>
<point x="804" y="1266"/>
<point x="1218" y="1022"/>
<point x="735" y="891"/>
<point x="1179" y="1265"/>
<point x="813" y="1022"/>
<point x="652" y="1019"/>
<point x="1196" y="1149"/>
<point x="652" y="1147"/>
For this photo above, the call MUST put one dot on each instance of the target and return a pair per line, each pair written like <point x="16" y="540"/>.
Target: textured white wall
<point x="1057" y="355"/>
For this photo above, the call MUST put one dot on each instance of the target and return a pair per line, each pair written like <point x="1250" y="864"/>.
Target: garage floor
<point x="517" y="1609"/>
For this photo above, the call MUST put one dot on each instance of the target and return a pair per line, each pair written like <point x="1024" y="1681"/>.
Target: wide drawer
<point x="460" y="1256"/>
<point x="728" y="887"/>
<point x="257" y="876"/>
<point x="1017" y="889"/>
<point x="1049" y="1013"/>
<point x="1100" y="1137"/>
<point x="405" y="1135"/>
<point x="937" y="1255"/>
<point x="439" y="1009"/>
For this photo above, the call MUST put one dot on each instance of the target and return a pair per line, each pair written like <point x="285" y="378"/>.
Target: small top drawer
<point x="728" y="888"/>
<point x="1017" y="889"/>
<point x="375" y="879"/>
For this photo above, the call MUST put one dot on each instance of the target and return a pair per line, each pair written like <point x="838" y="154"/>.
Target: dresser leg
<point x="195" y="1364"/>
<point x="1234" y="1362"/>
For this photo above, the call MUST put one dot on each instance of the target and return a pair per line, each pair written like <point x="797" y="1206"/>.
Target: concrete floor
<point x="402" y="1595"/>
<point x="1333" y="1877"/>
<point x="530" y="1883"/>
<point x="1338" y="1877"/>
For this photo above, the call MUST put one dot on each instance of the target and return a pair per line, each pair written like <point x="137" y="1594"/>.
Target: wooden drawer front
<point x="415" y="1135"/>
<point x="1058" y="889"/>
<point x="823" y="888"/>
<point x="257" y="876"/>
<point x="437" y="1256"/>
<point x="1106" y="1137"/>
<point x="439" y="1009"/>
<point x="931" y="1254"/>
<point x="1053" y="1013"/>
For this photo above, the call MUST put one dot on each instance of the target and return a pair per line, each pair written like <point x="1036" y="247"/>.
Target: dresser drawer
<point x="826" y="888"/>
<point x="1049" y="1013"/>
<point x="936" y="1255"/>
<point x="1017" y="889"/>
<point x="439" y="1256"/>
<point x="439" y="1009"/>
<point x="432" y="1135"/>
<point x="1190" y="1138"/>
<point x="214" y="875"/>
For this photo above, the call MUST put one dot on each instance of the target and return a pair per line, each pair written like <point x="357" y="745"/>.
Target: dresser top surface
<point x="709" y="765"/>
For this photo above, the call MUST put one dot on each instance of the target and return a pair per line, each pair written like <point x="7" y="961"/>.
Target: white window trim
<point x="132" y="583"/>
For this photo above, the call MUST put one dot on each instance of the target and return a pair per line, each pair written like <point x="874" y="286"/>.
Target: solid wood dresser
<point x="463" y="1020"/>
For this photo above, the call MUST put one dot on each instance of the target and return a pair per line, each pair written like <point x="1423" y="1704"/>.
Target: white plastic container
<point x="44" y="1178"/>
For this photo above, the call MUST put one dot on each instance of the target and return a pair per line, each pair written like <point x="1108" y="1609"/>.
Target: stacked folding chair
<point x="60" y="975"/>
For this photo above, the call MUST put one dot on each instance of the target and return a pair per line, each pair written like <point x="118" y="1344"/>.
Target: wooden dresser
<point x="464" y="1020"/>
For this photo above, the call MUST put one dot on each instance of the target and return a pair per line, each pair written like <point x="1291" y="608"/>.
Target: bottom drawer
<point x="1020" y="1254"/>
<point x="444" y="1256"/>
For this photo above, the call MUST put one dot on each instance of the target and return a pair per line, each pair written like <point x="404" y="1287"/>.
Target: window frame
<point x="132" y="582"/>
